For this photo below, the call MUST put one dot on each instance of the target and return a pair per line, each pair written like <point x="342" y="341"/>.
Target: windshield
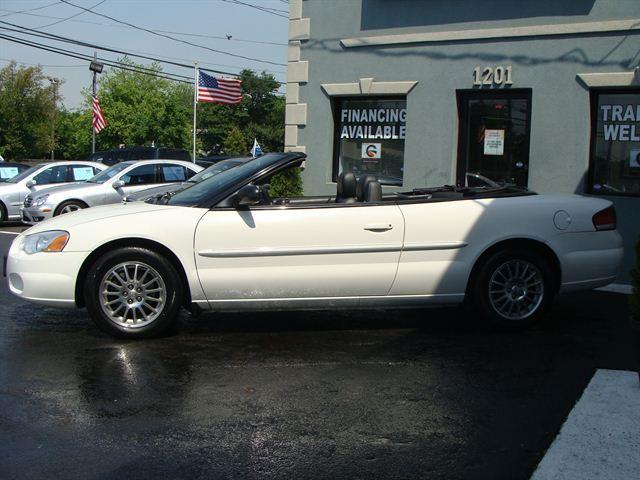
<point x="109" y="173"/>
<point x="214" y="170"/>
<point x="222" y="181"/>
<point x="25" y="174"/>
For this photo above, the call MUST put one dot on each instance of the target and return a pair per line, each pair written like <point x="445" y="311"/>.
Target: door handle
<point x="378" y="227"/>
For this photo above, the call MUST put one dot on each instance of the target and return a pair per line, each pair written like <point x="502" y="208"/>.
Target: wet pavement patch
<point x="374" y="394"/>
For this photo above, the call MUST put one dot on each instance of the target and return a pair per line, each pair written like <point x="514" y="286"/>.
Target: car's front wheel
<point x="513" y="288"/>
<point x="133" y="292"/>
<point x="70" y="206"/>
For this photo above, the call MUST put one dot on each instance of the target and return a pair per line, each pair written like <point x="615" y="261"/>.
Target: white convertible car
<point x="225" y="243"/>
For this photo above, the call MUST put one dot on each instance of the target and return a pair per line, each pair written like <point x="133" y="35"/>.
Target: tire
<point x="3" y="213"/>
<point x="69" y="206"/>
<point x="123" y="301"/>
<point x="513" y="289"/>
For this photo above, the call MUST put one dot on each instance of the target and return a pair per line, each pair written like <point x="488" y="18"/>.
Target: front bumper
<point x="45" y="278"/>
<point x="33" y="215"/>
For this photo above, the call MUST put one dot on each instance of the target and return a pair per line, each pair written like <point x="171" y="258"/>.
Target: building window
<point x="494" y="133"/>
<point x="615" y="142"/>
<point x="369" y="137"/>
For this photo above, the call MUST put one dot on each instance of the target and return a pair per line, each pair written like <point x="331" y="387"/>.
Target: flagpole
<point x="93" y="130"/>
<point x="195" y="105"/>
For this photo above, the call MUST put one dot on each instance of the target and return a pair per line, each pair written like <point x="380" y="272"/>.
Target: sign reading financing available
<point x="371" y="151"/>
<point x="364" y="127"/>
<point x="494" y="142"/>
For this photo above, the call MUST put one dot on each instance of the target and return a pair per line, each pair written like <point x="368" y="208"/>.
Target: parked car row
<point x="14" y="190"/>
<point x="232" y="246"/>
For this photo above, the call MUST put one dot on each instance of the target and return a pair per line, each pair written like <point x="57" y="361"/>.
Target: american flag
<point x="99" y="121"/>
<point x="218" y="90"/>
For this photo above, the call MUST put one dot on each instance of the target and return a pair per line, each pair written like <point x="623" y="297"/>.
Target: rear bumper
<point x="588" y="259"/>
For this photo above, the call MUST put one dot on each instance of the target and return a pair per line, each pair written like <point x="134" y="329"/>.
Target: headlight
<point x="52" y="241"/>
<point x="40" y="200"/>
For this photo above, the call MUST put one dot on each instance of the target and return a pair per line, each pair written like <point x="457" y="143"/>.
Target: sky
<point x="201" y="19"/>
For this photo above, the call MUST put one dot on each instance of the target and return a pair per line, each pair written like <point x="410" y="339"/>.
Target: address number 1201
<point x="492" y="76"/>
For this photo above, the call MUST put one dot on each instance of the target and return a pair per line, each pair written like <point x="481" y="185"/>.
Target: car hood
<point x="66" y="188"/>
<point x="69" y="220"/>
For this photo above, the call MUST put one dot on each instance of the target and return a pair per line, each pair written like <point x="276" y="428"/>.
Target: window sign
<point x="615" y="160"/>
<point x="494" y="142"/>
<point x="8" y="172"/>
<point x="82" y="173"/>
<point x="173" y="173"/>
<point x="370" y="136"/>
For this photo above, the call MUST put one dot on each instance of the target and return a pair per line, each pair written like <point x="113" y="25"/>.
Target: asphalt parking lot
<point x="375" y="394"/>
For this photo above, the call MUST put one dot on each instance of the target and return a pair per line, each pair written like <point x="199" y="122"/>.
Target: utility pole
<point x="54" y="83"/>
<point x="96" y="68"/>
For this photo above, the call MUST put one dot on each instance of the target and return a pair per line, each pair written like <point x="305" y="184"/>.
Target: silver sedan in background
<point x="162" y="190"/>
<point x="14" y="190"/>
<point x="109" y="186"/>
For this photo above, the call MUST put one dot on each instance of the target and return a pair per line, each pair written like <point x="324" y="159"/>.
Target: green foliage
<point x="141" y="109"/>
<point x="635" y="280"/>
<point x="286" y="184"/>
<point x="260" y="115"/>
<point x="235" y="143"/>
<point x="26" y="110"/>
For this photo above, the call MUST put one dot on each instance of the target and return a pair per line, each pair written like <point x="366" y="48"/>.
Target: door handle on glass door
<point x="378" y="227"/>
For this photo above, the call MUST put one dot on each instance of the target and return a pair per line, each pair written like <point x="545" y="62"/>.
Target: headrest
<point x="362" y="185"/>
<point x="347" y="185"/>
<point x="373" y="192"/>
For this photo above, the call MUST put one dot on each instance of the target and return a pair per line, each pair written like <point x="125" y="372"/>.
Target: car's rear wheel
<point x="133" y="292"/>
<point x="68" y="207"/>
<point x="513" y="288"/>
<point x="3" y="212"/>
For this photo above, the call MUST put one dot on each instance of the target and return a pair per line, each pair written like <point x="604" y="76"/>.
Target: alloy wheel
<point x="516" y="289"/>
<point x="132" y="294"/>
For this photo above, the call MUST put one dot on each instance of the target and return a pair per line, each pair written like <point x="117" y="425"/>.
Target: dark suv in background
<point x="111" y="157"/>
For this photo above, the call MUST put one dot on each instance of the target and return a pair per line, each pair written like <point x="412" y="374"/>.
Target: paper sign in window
<point x="173" y="174"/>
<point x="494" y="142"/>
<point x="8" y="172"/>
<point x="82" y="173"/>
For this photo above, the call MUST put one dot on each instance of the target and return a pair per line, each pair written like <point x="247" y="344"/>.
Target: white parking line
<point x="601" y="437"/>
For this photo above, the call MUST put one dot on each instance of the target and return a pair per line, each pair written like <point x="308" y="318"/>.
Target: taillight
<point x="605" y="219"/>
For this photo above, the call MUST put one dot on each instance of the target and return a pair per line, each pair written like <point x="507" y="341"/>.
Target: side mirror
<point x="31" y="183"/>
<point x="118" y="184"/>
<point x="247" y="195"/>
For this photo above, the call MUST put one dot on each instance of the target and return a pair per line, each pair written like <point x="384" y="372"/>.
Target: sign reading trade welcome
<point x="616" y="143"/>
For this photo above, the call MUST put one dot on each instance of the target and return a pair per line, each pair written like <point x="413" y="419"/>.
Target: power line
<point x="222" y="52"/>
<point x="68" y="53"/>
<point x="59" y="38"/>
<point x="272" y="11"/>
<point x="30" y="9"/>
<point x="48" y="36"/>
<point x="69" y="18"/>
<point x="84" y="65"/>
<point x="186" y="34"/>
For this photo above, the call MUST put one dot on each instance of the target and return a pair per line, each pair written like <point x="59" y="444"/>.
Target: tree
<point x="235" y="143"/>
<point x="260" y="115"/>
<point x="26" y="109"/>
<point x="141" y="109"/>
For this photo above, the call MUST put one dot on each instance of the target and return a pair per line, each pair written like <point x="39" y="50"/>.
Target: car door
<point x="308" y="252"/>
<point x="139" y="177"/>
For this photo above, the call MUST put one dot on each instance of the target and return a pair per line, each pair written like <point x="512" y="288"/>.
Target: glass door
<point x="493" y="143"/>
